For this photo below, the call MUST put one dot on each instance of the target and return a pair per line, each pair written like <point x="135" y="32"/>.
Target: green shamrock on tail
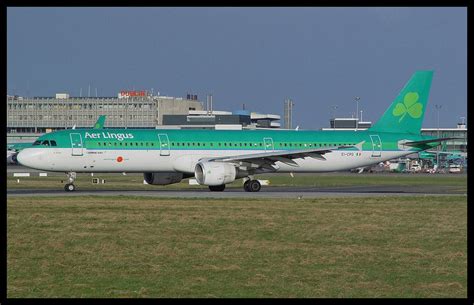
<point x="409" y="106"/>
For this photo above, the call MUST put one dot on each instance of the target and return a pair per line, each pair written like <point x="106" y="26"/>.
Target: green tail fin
<point x="100" y="122"/>
<point x="407" y="111"/>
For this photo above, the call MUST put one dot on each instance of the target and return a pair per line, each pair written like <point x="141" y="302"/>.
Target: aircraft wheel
<point x="217" y="188"/>
<point x="246" y="186"/>
<point x="254" y="186"/>
<point x="69" y="187"/>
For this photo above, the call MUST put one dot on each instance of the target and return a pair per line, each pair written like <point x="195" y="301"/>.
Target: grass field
<point x="450" y="183"/>
<point x="147" y="247"/>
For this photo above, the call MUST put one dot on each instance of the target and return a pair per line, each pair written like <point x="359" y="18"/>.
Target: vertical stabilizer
<point x="100" y="122"/>
<point x="406" y="113"/>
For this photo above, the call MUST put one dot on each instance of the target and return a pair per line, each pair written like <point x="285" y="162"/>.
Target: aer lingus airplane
<point x="218" y="157"/>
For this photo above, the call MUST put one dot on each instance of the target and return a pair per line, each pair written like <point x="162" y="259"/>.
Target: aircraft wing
<point x="416" y="143"/>
<point x="268" y="159"/>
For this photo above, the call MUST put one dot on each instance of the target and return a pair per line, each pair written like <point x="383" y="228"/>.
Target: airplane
<point x="218" y="157"/>
<point x="14" y="148"/>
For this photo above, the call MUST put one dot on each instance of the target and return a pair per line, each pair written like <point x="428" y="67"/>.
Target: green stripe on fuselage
<point x="227" y="139"/>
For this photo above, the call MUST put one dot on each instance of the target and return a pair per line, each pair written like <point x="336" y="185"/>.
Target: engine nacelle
<point x="214" y="173"/>
<point x="11" y="158"/>
<point x="162" y="178"/>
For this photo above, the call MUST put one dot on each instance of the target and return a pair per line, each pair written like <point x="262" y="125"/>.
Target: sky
<point x="321" y="58"/>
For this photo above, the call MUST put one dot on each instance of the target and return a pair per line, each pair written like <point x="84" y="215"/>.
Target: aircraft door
<point x="268" y="143"/>
<point x="164" y="145"/>
<point x="76" y="144"/>
<point x="376" y="146"/>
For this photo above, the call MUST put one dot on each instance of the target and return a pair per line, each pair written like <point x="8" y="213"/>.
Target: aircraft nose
<point x="29" y="157"/>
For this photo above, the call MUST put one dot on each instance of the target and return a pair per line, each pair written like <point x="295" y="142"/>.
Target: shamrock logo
<point x="409" y="106"/>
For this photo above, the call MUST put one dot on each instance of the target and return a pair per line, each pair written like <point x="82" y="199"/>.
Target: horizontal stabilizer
<point x="416" y="143"/>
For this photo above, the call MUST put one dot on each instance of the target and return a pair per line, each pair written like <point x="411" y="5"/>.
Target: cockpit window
<point x="37" y="143"/>
<point x="45" y="142"/>
<point x="53" y="143"/>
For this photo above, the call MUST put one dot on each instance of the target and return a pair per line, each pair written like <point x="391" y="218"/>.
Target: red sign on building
<point x="126" y="93"/>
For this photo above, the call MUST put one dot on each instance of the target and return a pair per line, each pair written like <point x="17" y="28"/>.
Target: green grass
<point x="146" y="247"/>
<point x="451" y="183"/>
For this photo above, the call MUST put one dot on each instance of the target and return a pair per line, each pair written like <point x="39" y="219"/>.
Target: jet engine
<point x="11" y="158"/>
<point x="162" y="178"/>
<point x="215" y="173"/>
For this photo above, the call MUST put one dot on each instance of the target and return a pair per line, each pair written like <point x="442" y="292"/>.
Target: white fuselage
<point x="108" y="160"/>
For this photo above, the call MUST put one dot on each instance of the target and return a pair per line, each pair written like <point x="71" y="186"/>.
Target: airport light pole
<point x="438" y="108"/>
<point x="357" y="111"/>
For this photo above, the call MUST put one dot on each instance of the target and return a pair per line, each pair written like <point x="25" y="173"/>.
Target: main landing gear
<point x="69" y="187"/>
<point x="252" y="186"/>
<point x="249" y="186"/>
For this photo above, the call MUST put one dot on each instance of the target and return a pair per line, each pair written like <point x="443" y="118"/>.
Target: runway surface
<point x="266" y="192"/>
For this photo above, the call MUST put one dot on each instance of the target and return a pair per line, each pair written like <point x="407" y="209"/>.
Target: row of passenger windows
<point x="126" y="144"/>
<point x="225" y="144"/>
<point x="193" y="144"/>
<point x="45" y="143"/>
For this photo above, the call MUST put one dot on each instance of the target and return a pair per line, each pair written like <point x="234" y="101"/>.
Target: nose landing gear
<point x="69" y="187"/>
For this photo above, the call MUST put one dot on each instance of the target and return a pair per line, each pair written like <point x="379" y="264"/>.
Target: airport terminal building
<point x="29" y="118"/>
<point x="45" y="114"/>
